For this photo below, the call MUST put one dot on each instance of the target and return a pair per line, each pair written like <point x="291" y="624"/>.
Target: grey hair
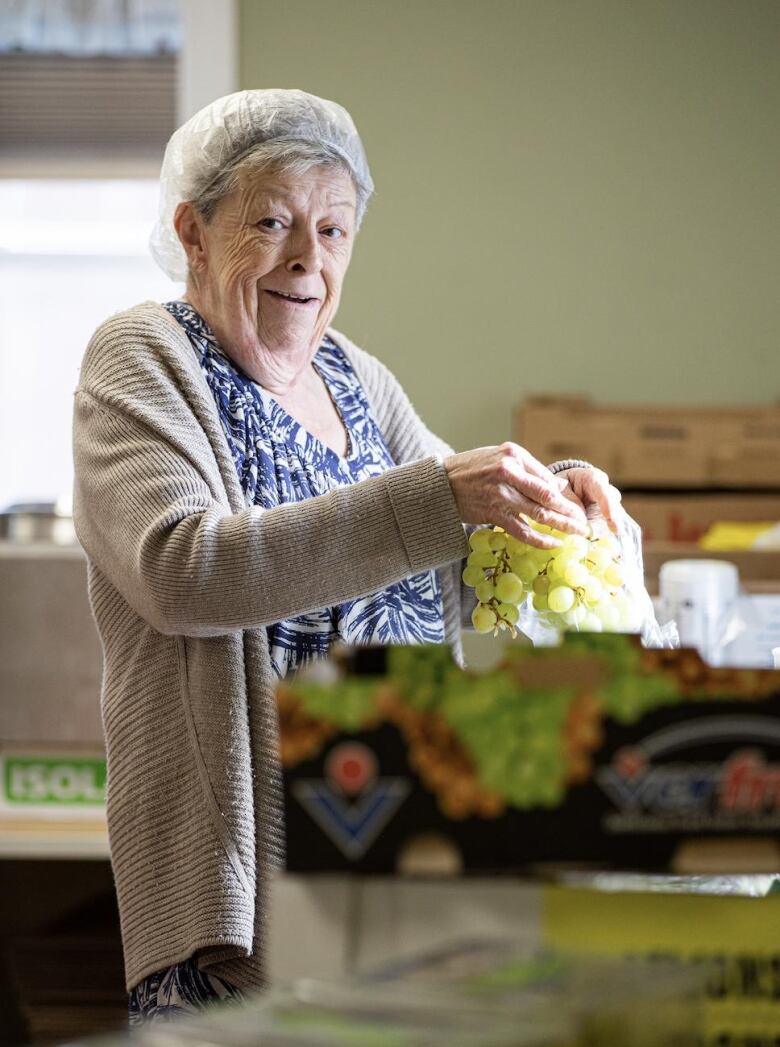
<point x="282" y="156"/>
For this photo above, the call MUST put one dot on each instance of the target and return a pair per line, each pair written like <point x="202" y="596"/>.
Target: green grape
<point x="540" y="558"/>
<point x="561" y="599"/>
<point x="525" y="567"/>
<point x="514" y="546"/>
<point x="528" y="566"/>
<point x="485" y="590"/>
<point x="509" y="588"/>
<point x="556" y="567"/>
<point x="481" y="558"/>
<point x="576" y="574"/>
<point x="483" y="618"/>
<point x="541" y="585"/>
<point x="576" y="615"/>
<point x="591" y="624"/>
<point x="630" y="617"/>
<point x="480" y="540"/>
<point x="498" y="541"/>
<point x="593" y="591"/>
<point x="576" y="546"/>
<point x="472" y="575"/>
<point x="509" y="612"/>
<point x="600" y="557"/>
<point x="613" y="575"/>
<point x="540" y="602"/>
<point x="608" y="615"/>
<point x="621" y="607"/>
<point x="608" y="542"/>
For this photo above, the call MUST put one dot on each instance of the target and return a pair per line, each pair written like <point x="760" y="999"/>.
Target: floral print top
<point x="279" y="462"/>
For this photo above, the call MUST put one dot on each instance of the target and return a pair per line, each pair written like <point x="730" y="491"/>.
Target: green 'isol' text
<point x="54" y="781"/>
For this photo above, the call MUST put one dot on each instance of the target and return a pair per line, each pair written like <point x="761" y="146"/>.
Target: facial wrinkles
<point x="272" y="341"/>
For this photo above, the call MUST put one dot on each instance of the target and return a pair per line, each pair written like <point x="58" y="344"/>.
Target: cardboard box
<point x="597" y="753"/>
<point x="685" y="517"/>
<point x="656" y="445"/>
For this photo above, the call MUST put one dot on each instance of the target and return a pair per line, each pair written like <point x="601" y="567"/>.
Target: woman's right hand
<point x="494" y="485"/>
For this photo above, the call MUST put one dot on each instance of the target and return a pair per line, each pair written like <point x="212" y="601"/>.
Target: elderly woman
<point x="250" y="488"/>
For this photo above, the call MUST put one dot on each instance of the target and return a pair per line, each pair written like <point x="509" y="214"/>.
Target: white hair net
<point x="216" y="135"/>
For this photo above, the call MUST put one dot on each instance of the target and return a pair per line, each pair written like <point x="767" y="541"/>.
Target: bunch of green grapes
<point x="579" y="585"/>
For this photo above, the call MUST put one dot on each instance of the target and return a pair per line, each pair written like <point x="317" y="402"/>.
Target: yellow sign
<point x="737" y="939"/>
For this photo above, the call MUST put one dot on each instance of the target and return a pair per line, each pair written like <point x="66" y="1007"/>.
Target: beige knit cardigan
<point x="183" y="578"/>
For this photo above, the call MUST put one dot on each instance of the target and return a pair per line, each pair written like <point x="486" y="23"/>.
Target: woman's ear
<point x="191" y="229"/>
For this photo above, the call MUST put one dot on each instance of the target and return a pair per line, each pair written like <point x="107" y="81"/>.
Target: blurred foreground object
<point x="479" y="995"/>
<point x="597" y="752"/>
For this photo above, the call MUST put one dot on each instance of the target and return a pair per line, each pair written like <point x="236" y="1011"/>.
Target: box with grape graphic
<point x="597" y="752"/>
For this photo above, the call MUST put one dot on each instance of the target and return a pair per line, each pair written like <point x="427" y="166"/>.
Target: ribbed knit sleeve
<point x="189" y="565"/>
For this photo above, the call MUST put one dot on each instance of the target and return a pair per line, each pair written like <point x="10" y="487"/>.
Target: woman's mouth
<point x="290" y="298"/>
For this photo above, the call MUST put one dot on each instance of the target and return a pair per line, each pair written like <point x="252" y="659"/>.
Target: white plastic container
<point x="700" y="595"/>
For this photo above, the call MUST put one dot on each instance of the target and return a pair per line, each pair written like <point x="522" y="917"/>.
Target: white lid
<point x="708" y="579"/>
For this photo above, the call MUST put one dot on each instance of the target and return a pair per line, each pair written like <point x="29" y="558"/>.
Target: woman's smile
<point x="291" y="299"/>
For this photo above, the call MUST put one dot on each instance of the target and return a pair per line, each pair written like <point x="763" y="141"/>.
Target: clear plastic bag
<point x="541" y="632"/>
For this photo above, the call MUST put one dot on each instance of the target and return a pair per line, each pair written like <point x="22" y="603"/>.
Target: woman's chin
<point x="291" y="338"/>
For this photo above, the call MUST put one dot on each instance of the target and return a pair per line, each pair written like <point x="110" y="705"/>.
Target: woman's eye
<point x="270" y="223"/>
<point x="332" y="232"/>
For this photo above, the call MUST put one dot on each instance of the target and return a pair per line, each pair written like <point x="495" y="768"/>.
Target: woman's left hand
<point x="591" y="487"/>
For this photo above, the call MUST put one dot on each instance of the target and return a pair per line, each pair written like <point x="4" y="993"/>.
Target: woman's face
<point x="270" y="264"/>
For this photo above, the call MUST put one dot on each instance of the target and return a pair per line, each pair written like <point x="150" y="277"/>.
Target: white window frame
<point x="208" y="61"/>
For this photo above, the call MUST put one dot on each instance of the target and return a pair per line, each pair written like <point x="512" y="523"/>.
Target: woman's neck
<point x="281" y="372"/>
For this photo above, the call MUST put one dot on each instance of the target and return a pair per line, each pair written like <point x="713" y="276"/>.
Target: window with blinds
<point x="86" y="81"/>
<point x="50" y="104"/>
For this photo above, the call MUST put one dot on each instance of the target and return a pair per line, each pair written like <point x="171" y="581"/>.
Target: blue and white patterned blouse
<point x="279" y="462"/>
<point x="176" y="992"/>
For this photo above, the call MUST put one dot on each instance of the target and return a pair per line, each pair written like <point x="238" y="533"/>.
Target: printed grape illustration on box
<point x="596" y="751"/>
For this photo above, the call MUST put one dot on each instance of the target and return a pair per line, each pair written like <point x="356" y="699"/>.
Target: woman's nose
<point x="304" y="254"/>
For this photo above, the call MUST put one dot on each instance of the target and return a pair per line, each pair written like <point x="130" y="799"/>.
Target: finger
<point x="535" y="489"/>
<point x="566" y="497"/>
<point x="607" y="498"/>
<point x="537" y="468"/>
<point x="620" y="516"/>
<point x="512" y="502"/>
<point x="568" y="524"/>
<point x="568" y="492"/>
<point x="525" y="463"/>
<point x="596" y="491"/>
<point x="515" y="526"/>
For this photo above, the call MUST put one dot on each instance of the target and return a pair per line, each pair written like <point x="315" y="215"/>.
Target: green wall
<point x="573" y="195"/>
